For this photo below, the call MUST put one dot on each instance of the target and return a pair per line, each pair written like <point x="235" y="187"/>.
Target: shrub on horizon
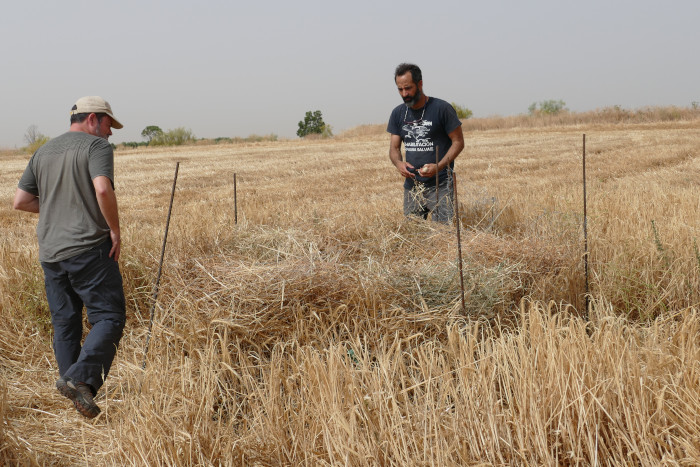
<point x="134" y="144"/>
<point x="176" y="137"/>
<point x="463" y="112"/>
<point x="34" y="138"/>
<point x="36" y="144"/>
<point x="548" y="107"/>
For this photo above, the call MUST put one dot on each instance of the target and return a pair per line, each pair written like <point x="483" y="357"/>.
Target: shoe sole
<point x="82" y="405"/>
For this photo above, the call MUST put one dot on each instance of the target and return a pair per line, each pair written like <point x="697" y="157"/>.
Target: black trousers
<point x="91" y="279"/>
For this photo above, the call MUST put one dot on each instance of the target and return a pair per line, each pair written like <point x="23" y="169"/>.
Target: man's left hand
<point x="116" y="249"/>
<point x="428" y="170"/>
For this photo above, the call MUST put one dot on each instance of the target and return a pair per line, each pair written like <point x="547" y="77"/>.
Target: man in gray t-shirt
<point x="70" y="220"/>
<point x="69" y="182"/>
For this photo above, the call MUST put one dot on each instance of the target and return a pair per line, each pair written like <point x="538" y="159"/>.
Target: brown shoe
<point x="81" y="395"/>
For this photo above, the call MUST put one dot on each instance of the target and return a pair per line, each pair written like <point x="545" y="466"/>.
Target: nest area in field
<point x="265" y="282"/>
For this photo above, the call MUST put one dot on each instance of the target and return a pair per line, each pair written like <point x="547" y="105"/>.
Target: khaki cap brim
<point x="95" y="104"/>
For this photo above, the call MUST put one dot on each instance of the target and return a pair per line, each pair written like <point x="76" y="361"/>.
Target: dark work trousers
<point x="422" y="200"/>
<point x="91" y="279"/>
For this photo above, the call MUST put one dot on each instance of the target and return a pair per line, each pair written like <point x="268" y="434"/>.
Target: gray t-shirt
<point x="60" y="173"/>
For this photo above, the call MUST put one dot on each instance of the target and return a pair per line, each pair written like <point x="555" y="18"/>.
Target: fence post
<point x="160" y="269"/>
<point x="459" y="238"/>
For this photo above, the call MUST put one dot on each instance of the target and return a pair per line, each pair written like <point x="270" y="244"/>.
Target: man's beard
<point x="411" y="101"/>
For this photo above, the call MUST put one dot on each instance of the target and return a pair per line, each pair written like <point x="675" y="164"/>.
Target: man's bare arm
<point x="107" y="201"/>
<point x="395" y="157"/>
<point x="457" y="137"/>
<point x="25" y="201"/>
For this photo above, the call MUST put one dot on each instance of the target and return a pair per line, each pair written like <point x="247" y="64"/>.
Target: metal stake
<point x="459" y="239"/>
<point x="235" y="201"/>
<point x="437" y="184"/>
<point x="160" y="269"/>
<point x="585" y="231"/>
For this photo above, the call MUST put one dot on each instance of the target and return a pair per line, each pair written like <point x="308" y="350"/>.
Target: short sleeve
<point x="452" y="121"/>
<point x="28" y="180"/>
<point x="393" y="126"/>
<point x="101" y="160"/>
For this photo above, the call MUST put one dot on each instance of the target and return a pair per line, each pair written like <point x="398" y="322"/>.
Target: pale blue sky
<point x="229" y="68"/>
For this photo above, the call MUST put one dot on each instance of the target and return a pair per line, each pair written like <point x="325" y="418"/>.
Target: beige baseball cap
<point x="95" y="104"/>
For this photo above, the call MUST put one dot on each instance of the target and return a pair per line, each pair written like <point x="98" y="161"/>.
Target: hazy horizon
<point x="223" y="70"/>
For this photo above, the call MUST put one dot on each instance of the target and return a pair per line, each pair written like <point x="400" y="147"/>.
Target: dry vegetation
<point x="325" y="329"/>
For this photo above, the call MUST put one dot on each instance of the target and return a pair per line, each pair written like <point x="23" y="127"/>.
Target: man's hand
<point x="428" y="170"/>
<point x="406" y="169"/>
<point x="108" y="205"/>
<point x="116" y="245"/>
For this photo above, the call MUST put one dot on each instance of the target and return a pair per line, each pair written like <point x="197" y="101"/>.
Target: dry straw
<point x="325" y="329"/>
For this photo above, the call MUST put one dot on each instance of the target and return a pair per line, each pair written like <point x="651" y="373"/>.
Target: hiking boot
<point x="81" y="395"/>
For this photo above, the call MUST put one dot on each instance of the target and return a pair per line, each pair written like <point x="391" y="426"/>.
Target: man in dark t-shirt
<point x="432" y="137"/>
<point x="69" y="183"/>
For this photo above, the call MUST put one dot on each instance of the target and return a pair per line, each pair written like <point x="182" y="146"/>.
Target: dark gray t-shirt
<point x="60" y="173"/>
<point x="422" y="131"/>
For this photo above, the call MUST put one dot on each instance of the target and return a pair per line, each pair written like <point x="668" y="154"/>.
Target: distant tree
<point x="462" y="111"/>
<point x="313" y="124"/>
<point x="549" y="107"/>
<point x="32" y="134"/>
<point x="34" y="138"/>
<point x="151" y="132"/>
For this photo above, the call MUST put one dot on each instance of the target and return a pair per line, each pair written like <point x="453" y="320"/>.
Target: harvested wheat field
<point x="324" y="328"/>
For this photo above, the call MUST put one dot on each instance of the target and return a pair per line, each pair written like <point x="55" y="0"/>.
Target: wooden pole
<point x="160" y="269"/>
<point x="235" y="201"/>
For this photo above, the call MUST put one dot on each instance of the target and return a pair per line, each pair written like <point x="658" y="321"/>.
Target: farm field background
<point x="324" y="328"/>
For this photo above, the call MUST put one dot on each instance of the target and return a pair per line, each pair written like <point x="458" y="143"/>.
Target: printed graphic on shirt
<point x="416" y="136"/>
